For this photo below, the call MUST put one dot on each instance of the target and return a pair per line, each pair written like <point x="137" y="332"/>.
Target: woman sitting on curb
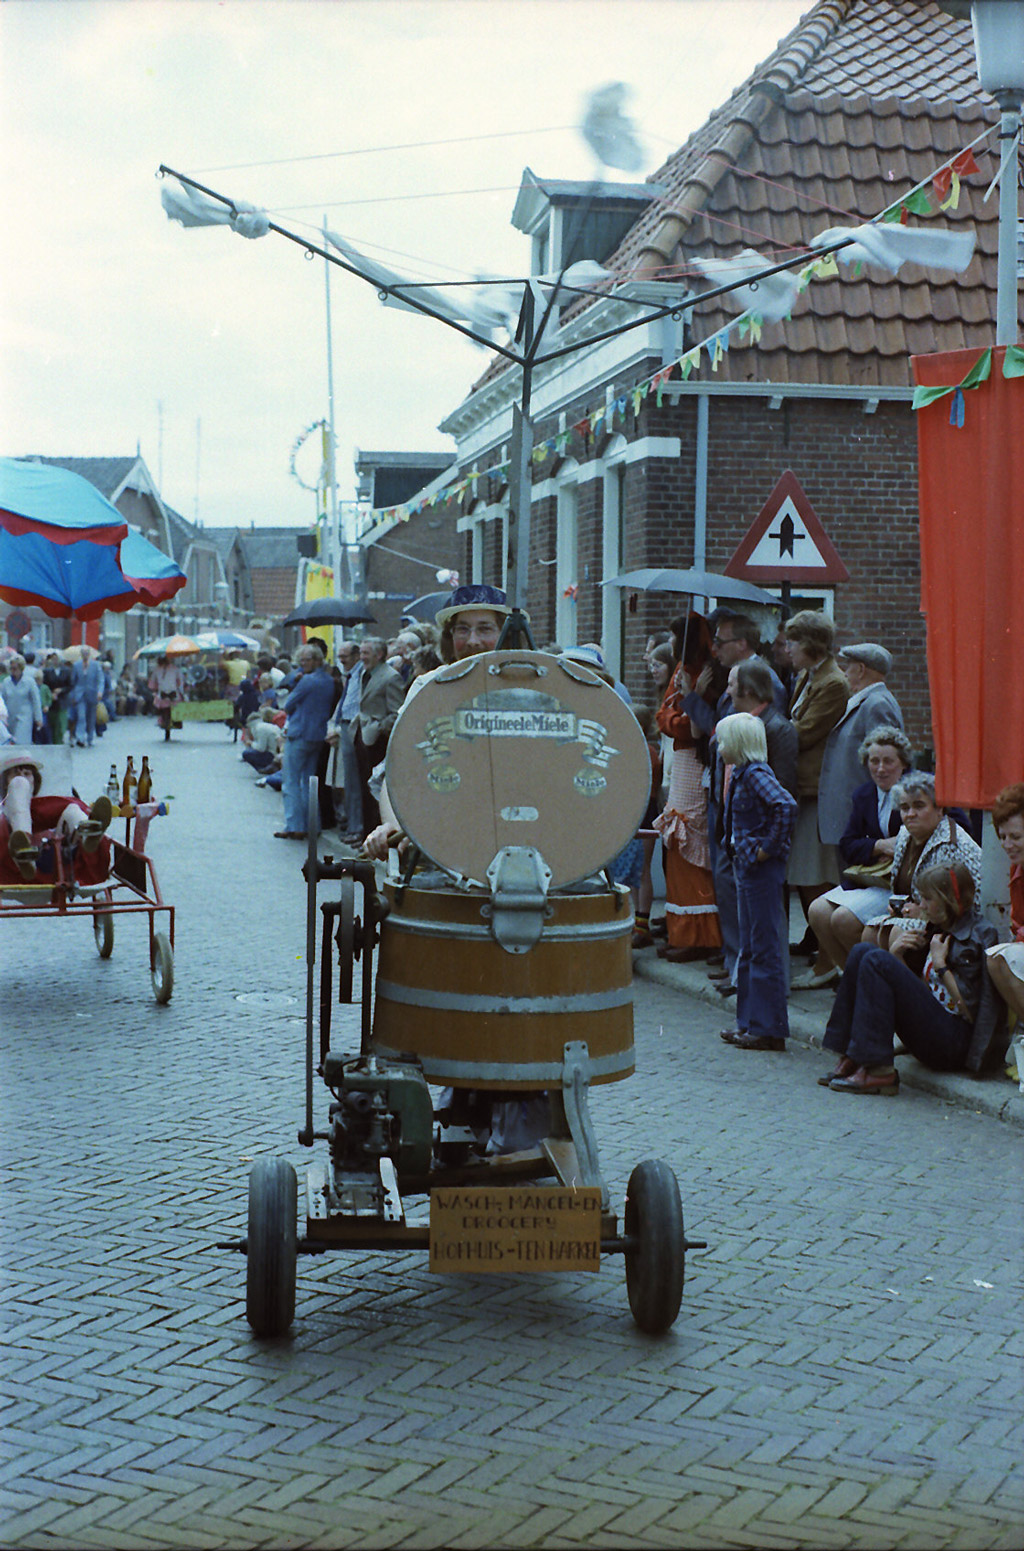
<point x="868" y="842"/>
<point x="1006" y="959"/>
<point x="930" y="837"/>
<point x="947" y="1016"/>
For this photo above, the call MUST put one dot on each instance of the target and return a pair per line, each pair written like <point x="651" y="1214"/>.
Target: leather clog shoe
<point x="756" y="1042"/>
<point x="724" y="988"/>
<point x="844" y="1067"/>
<point x="868" y="1080"/>
<point x="729" y="1035"/>
<point x="288" y="834"/>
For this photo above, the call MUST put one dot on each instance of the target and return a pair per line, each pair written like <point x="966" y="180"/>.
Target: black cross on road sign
<point x="787" y="536"/>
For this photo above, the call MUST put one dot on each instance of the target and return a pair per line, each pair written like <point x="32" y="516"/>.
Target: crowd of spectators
<point x="777" y="769"/>
<point x="798" y="777"/>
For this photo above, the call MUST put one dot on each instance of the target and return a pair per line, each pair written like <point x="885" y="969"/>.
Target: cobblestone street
<point x="845" y="1370"/>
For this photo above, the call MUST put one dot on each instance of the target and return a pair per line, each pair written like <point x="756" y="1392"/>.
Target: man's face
<point x="348" y="656"/>
<point x="856" y="674"/>
<point x="725" y="645"/>
<point x="307" y="662"/>
<point x="86" y="654"/>
<point x="475" y="630"/>
<point x="740" y="701"/>
<point x="367" y="655"/>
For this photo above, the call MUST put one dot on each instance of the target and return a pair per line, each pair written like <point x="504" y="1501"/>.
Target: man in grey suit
<point x="871" y="704"/>
<point x="380" y="699"/>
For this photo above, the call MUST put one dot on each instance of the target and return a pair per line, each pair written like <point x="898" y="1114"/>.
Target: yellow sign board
<point x="504" y="1228"/>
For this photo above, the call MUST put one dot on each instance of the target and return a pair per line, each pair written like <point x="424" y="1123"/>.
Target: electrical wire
<point x="375" y="150"/>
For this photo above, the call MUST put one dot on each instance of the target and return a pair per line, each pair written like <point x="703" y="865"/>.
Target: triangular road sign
<point x="786" y="542"/>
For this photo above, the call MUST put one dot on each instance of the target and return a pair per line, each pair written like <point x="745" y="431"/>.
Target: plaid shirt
<point x="759" y="814"/>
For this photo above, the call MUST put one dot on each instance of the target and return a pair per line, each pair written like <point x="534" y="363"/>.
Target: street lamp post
<point x="999" y="48"/>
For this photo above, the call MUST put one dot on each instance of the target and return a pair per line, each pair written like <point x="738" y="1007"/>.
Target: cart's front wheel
<point x="655" y="1263"/>
<point x="162" y="968"/>
<point x="270" y="1256"/>
<point x="103" y="931"/>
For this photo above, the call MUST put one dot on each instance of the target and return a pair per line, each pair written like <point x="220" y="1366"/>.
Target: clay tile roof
<point x="862" y="100"/>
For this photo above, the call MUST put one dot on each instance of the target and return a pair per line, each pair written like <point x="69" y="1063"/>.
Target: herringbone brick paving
<point x="845" y="1370"/>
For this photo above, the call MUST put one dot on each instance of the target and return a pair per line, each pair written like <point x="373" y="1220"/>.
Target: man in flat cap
<point x="871" y="704"/>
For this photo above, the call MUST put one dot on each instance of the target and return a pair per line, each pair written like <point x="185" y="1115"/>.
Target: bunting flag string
<point x="939" y="192"/>
<point x="973" y="378"/>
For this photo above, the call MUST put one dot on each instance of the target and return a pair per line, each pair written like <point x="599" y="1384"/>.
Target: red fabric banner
<point x="971" y="496"/>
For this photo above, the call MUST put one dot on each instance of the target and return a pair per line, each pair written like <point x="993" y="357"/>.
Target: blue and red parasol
<point x="67" y="550"/>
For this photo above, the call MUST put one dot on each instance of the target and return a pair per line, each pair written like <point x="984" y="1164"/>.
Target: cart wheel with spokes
<point x="161" y="970"/>
<point x="655" y="1263"/>
<point x="270" y="1251"/>
<point x="103" y="930"/>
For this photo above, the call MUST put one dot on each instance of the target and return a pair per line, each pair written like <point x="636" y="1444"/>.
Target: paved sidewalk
<point x="994" y="1094"/>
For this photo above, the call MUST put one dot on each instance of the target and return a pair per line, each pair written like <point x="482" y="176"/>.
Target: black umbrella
<point x="331" y="611"/>
<point x="423" y="609"/>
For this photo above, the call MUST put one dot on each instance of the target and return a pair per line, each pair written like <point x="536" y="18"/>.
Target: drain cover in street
<point x="265" y="999"/>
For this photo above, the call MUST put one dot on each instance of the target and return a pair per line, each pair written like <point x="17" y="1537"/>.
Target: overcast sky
<point x="118" y="328"/>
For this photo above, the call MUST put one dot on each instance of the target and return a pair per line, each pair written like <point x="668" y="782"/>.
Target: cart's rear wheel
<point x="162" y="968"/>
<point x="655" y="1264"/>
<point x="103" y="931"/>
<point x="270" y="1257"/>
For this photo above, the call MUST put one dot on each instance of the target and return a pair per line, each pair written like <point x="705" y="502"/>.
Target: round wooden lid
<point x="518" y="748"/>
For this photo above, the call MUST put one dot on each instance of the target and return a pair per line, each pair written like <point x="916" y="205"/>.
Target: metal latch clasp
<point x="519" y="879"/>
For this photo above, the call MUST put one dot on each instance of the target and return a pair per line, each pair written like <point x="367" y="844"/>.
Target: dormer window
<point x="567" y="221"/>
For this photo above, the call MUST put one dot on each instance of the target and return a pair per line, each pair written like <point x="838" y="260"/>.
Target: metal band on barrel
<point x="419" y="927"/>
<point x="454" y="1001"/>
<point x="620" y="1061"/>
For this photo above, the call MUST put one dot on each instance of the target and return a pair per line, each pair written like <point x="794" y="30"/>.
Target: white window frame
<point x="566" y="550"/>
<point x="614" y="461"/>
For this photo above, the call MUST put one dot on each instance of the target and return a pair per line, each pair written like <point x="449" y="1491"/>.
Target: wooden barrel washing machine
<point x="502" y="978"/>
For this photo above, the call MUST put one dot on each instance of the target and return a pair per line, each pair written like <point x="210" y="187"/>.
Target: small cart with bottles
<point x="119" y="879"/>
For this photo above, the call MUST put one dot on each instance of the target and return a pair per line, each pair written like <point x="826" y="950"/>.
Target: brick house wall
<point x="858" y="470"/>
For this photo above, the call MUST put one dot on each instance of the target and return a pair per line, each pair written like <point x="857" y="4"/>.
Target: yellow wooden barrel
<point x="476" y="1016"/>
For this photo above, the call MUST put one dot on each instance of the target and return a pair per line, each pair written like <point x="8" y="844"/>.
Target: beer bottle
<point x="128" y="787"/>
<point x="114" y="786"/>
<point x="145" y="781"/>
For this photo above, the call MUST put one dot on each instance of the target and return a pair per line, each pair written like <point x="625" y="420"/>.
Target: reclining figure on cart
<point x="32" y="822"/>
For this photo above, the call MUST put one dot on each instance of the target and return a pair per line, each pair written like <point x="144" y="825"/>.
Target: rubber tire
<point x="270" y="1259"/>
<point x="162" y="969"/>
<point x="103" y="932"/>
<point x="655" y="1269"/>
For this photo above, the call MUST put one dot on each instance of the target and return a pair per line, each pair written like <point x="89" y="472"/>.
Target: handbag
<point x="867" y="875"/>
<point x="102" y="714"/>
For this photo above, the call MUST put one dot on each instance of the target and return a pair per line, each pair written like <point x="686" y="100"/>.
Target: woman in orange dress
<point x="690" y="911"/>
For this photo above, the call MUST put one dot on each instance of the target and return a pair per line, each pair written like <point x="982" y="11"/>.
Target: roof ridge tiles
<point x="768" y="86"/>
